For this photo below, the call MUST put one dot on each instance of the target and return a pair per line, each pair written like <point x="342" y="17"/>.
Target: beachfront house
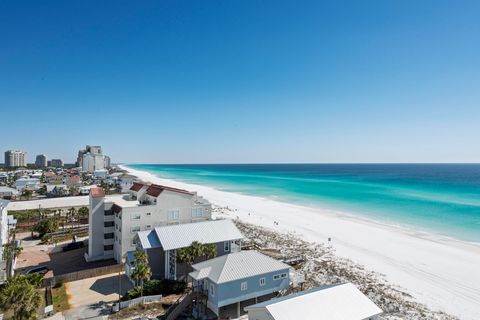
<point x="114" y="220"/>
<point x="230" y="282"/>
<point x="162" y="243"/>
<point x="335" y="302"/>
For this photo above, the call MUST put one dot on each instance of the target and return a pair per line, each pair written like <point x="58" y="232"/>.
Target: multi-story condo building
<point x="41" y="161"/>
<point x="92" y="158"/>
<point x="15" y="158"/>
<point x="56" y="163"/>
<point x="114" y="220"/>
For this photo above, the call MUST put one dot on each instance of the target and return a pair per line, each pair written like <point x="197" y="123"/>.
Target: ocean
<point x="439" y="198"/>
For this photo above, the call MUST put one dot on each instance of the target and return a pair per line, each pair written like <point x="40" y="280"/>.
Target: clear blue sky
<point x="242" y="81"/>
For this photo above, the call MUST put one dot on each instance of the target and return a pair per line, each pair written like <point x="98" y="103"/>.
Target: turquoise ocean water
<point x="443" y="198"/>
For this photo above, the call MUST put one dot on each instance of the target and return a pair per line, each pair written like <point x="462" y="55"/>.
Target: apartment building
<point x="15" y="158"/>
<point x="116" y="219"/>
<point x="41" y="161"/>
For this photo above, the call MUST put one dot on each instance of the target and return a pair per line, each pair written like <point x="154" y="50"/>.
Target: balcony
<point x="108" y="229"/>
<point x="107" y="242"/>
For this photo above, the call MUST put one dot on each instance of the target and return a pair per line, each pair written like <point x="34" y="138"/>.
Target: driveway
<point x="93" y="297"/>
<point x="35" y="254"/>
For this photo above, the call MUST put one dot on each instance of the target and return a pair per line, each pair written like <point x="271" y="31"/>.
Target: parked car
<point x="41" y="270"/>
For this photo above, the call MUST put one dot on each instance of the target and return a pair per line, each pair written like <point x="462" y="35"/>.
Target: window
<point x="135" y="216"/>
<point x="134" y="243"/>
<point x="173" y="214"/>
<point x="279" y="276"/>
<point x="108" y="248"/>
<point x="212" y="289"/>
<point x="148" y="227"/>
<point x="109" y="212"/>
<point x="116" y="226"/>
<point x="197" y="212"/>
<point x="226" y="246"/>
<point x="243" y="286"/>
<point x="135" y="229"/>
<point x="107" y="224"/>
<point x="108" y="235"/>
<point x="149" y="213"/>
<point x="262" y="281"/>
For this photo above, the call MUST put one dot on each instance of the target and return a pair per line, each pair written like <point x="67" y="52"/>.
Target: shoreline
<point x="436" y="270"/>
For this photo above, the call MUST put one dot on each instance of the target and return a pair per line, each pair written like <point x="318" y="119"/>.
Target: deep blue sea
<point x="443" y="198"/>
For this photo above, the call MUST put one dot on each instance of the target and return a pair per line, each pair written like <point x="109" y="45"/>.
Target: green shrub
<point x="155" y="287"/>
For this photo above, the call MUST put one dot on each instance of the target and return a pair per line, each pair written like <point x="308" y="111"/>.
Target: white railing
<point x="130" y="303"/>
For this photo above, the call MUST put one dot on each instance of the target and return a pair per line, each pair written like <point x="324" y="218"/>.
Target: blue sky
<point x="242" y="81"/>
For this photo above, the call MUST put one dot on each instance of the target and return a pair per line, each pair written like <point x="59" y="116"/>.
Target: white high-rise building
<point x="92" y="159"/>
<point x="15" y="158"/>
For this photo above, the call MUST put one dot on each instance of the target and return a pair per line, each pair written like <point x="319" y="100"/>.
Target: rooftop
<point x="97" y="192"/>
<point x="236" y="266"/>
<point x="338" y="302"/>
<point x="182" y="235"/>
<point x="49" y="203"/>
<point x="122" y="200"/>
<point x="154" y="190"/>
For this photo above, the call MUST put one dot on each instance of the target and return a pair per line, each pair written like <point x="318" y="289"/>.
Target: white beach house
<point x="336" y="302"/>
<point x="116" y="219"/>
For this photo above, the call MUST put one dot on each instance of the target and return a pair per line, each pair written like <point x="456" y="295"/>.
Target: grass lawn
<point x="60" y="299"/>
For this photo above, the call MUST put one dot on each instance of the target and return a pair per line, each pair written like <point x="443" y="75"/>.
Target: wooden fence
<point x="130" y="303"/>
<point x="83" y="274"/>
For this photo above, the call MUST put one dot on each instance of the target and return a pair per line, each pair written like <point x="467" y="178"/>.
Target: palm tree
<point x="82" y="213"/>
<point x="71" y="215"/>
<point x="188" y="255"/>
<point x="21" y="296"/>
<point x="209" y="251"/>
<point x="10" y="253"/>
<point x="142" y="270"/>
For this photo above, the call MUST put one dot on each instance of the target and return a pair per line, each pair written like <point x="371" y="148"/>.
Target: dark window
<point x="109" y="212"/>
<point x="107" y="224"/>
<point x="108" y="235"/>
<point x="108" y="248"/>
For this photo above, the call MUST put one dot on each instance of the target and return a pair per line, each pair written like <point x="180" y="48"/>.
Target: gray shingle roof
<point x="235" y="266"/>
<point x="182" y="235"/>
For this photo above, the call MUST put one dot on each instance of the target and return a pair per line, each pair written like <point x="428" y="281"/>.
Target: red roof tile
<point x="97" y="192"/>
<point x="154" y="190"/>
<point x="136" y="187"/>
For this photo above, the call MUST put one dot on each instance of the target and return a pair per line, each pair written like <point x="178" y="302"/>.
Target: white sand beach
<point x="441" y="272"/>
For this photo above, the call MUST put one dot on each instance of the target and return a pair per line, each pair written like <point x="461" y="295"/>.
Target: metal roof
<point x="235" y="266"/>
<point x="148" y="239"/>
<point x="182" y="235"/>
<point x="338" y="302"/>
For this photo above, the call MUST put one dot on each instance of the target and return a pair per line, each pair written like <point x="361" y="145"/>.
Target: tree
<point x="82" y="213"/>
<point x="43" y="190"/>
<point x="142" y="270"/>
<point x="72" y="212"/>
<point x="189" y="254"/>
<point x="10" y="253"/>
<point x="27" y="193"/>
<point x="45" y="226"/>
<point x="20" y="294"/>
